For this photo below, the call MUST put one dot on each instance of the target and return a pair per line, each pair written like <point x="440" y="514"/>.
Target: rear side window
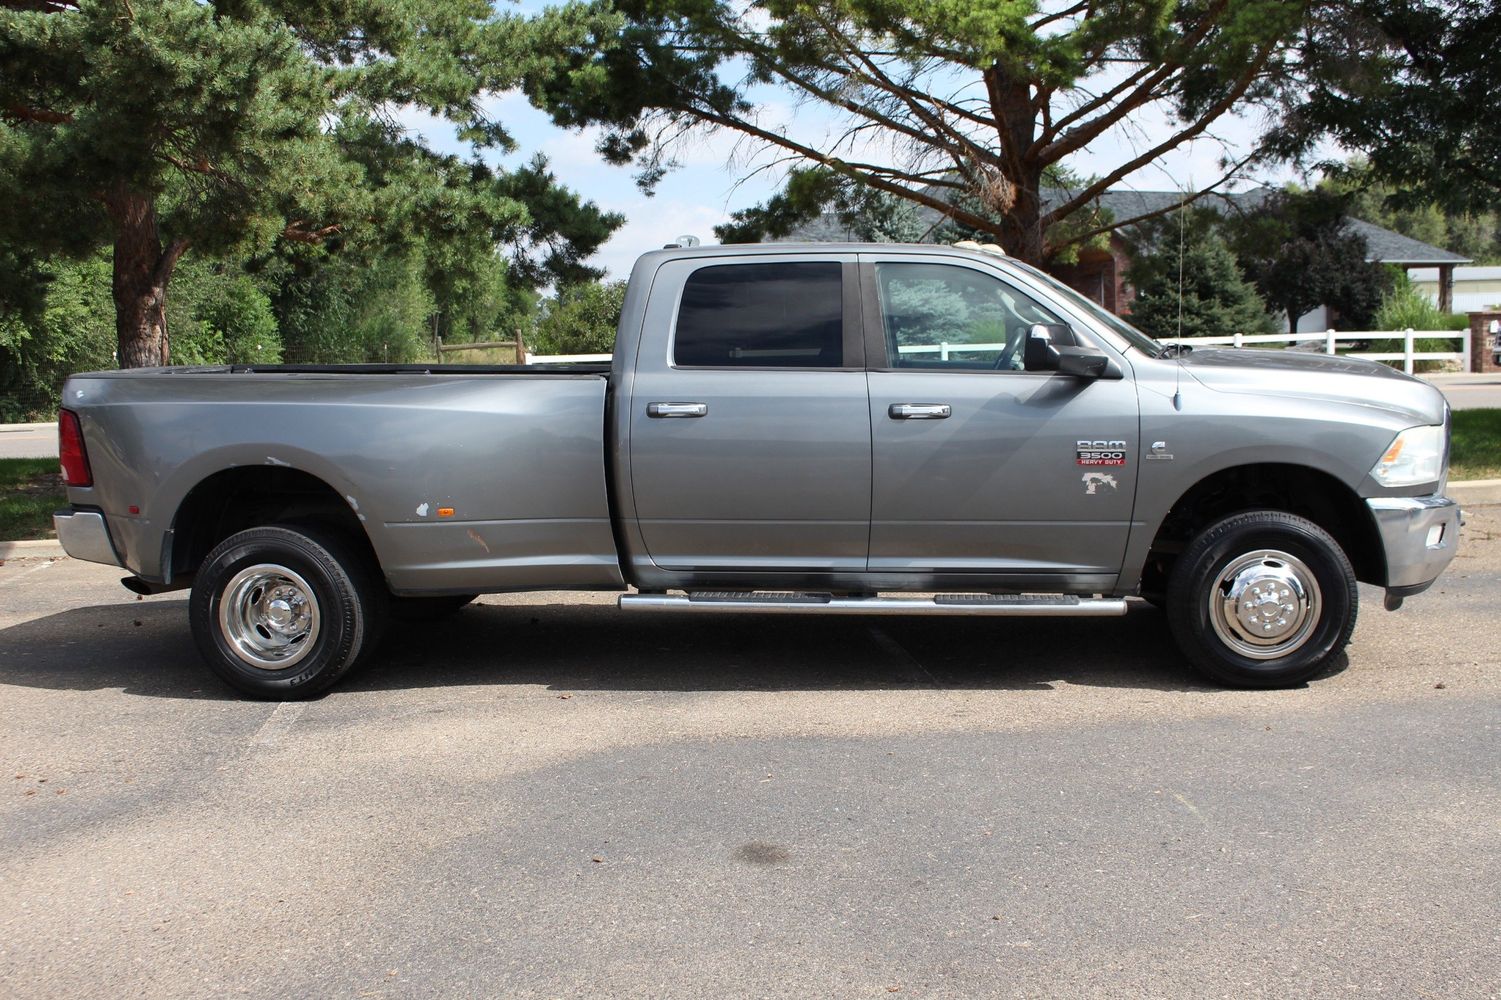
<point x="772" y="315"/>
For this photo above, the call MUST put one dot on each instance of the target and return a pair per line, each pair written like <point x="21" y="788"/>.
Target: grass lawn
<point x="1476" y="449"/>
<point x="30" y="490"/>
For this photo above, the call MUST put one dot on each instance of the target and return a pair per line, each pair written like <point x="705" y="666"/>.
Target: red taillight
<point x="70" y="449"/>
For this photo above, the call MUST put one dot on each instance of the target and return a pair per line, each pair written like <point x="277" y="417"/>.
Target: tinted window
<point x="942" y="316"/>
<point x="774" y="315"/>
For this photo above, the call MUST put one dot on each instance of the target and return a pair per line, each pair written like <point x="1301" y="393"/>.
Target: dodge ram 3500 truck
<point x="829" y="429"/>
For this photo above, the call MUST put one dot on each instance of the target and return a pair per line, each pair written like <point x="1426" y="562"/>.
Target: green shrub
<point x="1404" y="307"/>
<point x="581" y="319"/>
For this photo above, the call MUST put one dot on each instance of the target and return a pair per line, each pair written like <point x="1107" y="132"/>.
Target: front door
<point x="750" y="430"/>
<point x="979" y="466"/>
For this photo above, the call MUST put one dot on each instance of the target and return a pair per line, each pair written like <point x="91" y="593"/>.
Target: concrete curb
<point x="43" y="548"/>
<point x="27" y="427"/>
<point x="1476" y="492"/>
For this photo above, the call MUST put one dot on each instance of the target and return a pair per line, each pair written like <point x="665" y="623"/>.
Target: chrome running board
<point x="806" y="603"/>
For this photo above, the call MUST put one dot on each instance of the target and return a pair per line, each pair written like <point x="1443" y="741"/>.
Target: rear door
<point x="980" y="467"/>
<point x="750" y="425"/>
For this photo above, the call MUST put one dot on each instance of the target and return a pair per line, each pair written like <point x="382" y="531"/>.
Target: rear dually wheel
<point x="285" y="611"/>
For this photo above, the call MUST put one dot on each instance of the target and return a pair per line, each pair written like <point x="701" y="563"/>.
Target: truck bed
<point x="464" y="477"/>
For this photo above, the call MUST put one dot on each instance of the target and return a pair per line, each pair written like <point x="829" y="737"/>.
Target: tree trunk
<point x="142" y="269"/>
<point x="1020" y="221"/>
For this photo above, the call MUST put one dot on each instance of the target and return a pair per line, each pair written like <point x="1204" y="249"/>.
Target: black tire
<point x="328" y="617"/>
<point x="1267" y="556"/>
<point x="428" y="609"/>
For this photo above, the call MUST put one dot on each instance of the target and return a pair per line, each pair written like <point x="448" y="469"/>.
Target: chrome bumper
<point x="1420" y="535"/>
<point x="84" y="535"/>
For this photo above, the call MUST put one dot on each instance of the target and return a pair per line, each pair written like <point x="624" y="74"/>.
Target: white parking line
<point x="277" y="725"/>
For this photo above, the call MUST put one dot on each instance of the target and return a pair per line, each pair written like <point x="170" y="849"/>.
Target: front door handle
<point x="919" y="411"/>
<point x="676" y="409"/>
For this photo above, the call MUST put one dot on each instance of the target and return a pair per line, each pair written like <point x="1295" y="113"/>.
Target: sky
<point x="723" y="172"/>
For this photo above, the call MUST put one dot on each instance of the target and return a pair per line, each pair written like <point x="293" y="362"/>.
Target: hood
<point x="1317" y="376"/>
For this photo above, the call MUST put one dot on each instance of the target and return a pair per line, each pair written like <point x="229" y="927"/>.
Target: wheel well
<point x="236" y="499"/>
<point x="1295" y="489"/>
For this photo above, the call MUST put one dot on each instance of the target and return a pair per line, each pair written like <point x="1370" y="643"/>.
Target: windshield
<point x="1118" y="326"/>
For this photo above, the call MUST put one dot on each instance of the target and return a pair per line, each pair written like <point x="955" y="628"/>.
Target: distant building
<point x="1475" y="288"/>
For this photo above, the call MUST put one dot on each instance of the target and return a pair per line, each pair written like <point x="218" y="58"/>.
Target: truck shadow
<point x="145" y="649"/>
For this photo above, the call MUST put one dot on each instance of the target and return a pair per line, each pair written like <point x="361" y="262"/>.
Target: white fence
<point x="567" y="359"/>
<point x="1329" y="340"/>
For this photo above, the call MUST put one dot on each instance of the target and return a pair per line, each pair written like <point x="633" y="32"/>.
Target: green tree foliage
<point x="941" y="98"/>
<point x="1474" y="233"/>
<point x="1299" y="251"/>
<point x="580" y="319"/>
<point x="1216" y="299"/>
<point x="221" y="316"/>
<point x="247" y="126"/>
<point x="1412" y="84"/>
<point x="871" y="216"/>
<point x="68" y="326"/>
<point x="352" y="311"/>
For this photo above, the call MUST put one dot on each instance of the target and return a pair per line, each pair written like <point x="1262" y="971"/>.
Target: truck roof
<point x="748" y="249"/>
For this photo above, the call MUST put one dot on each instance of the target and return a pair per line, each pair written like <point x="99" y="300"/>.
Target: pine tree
<point x="1216" y="298"/>
<point x="157" y="128"/>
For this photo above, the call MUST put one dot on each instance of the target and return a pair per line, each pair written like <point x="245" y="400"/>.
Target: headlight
<point x="1415" y="456"/>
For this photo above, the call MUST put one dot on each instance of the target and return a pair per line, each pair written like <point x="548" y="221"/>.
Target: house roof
<point x="1383" y="245"/>
<point x="1394" y="248"/>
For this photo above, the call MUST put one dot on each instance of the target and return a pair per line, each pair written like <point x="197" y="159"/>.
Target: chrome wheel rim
<point x="269" y="616"/>
<point x="1264" y="604"/>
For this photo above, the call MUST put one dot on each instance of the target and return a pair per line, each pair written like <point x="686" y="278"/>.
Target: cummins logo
<point x="1098" y="453"/>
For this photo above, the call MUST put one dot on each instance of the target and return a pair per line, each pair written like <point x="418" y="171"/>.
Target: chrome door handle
<point x="919" y="411"/>
<point x="676" y="409"/>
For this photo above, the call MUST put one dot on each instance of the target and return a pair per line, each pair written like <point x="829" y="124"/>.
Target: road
<point x="28" y="441"/>
<point x="1471" y="392"/>
<point x="545" y="798"/>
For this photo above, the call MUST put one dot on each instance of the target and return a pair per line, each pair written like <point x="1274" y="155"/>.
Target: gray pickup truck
<point x="827" y="429"/>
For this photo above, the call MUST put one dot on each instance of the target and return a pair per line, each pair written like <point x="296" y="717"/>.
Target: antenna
<point x="1178" y="347"/>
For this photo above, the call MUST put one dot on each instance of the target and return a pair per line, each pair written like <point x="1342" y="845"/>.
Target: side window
<point x="772" y="315"/>
<point x="939" y="316"/>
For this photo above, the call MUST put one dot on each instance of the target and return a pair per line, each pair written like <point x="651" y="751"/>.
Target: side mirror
<point x="1039" y="354"/>
<point x="1080" y="361"/>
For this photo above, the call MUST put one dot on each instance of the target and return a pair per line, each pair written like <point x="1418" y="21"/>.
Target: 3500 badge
<point x="1098" y="453"/>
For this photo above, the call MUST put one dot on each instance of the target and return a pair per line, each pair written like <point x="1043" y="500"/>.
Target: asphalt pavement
<point x="543" y="797"/>
<point x="28" y="440"/>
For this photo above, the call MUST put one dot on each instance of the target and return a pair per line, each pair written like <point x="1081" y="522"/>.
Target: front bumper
<point x="1420" y="535"/>
<point x="84" y="535"/>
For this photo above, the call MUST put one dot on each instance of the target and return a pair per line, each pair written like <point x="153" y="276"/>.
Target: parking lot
<point x="543" y="797"/>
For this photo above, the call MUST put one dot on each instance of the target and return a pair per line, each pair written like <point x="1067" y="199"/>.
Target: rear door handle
<point x="676" y="409"/>
<point x="919" y="411"/>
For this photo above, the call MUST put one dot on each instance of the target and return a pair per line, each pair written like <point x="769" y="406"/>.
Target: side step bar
<point x="801" y="603"/>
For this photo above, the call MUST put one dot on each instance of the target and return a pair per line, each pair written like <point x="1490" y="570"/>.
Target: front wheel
<point x="1262" y="599"/>
<point x="284" y="611"/>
